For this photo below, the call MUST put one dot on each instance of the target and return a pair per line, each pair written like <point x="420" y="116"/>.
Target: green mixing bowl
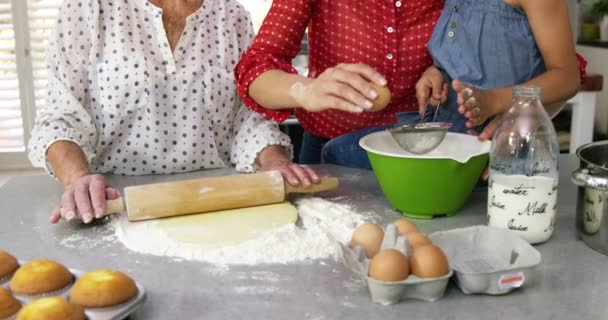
<point x="434" y="184"/>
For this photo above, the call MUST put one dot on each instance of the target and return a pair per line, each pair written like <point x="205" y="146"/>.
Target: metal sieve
<point x="422" y="137"/>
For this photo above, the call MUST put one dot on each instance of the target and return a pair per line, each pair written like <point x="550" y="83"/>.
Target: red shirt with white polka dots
<point x="388" y="35"/>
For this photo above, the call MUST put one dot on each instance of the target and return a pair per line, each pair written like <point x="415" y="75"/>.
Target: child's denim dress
<point x="485" y="43"/>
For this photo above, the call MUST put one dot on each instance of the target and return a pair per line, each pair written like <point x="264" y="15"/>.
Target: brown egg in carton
<point x="113" y="312"/>
<point x="391" y="292"/>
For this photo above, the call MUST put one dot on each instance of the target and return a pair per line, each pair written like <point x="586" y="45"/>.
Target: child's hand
<point x="431" y="89"/>
<point x="475" y="104"/>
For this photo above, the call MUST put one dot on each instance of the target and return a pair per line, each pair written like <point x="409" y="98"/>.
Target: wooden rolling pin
<point x="169" y="199"/>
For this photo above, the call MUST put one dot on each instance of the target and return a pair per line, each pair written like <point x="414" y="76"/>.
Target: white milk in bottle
<point x="522" y="189"/>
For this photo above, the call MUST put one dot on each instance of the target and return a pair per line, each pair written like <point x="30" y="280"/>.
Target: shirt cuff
<point x="40" y="144"/>
<point x="247" y="163"/>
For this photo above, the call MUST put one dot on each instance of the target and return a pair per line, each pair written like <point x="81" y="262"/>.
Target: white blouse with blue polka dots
<point x="133" y="106"/>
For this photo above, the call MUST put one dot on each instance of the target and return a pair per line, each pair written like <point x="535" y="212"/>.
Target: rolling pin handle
<point x="114" y="206"/>
<point x="326" y="183"/>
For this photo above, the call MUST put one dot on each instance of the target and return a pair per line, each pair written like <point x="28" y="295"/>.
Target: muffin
<point x="39" y="277"/>
<point x="51" y="308"/>
<point x="8" y="304"/>
<point x="102" y="288"/>
<point x="8" y="264"/>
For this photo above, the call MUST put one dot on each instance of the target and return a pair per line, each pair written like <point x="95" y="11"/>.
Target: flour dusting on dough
<point x="323" y="225"/>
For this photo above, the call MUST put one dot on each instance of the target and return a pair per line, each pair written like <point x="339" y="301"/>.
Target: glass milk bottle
<point x="522" y="189"/>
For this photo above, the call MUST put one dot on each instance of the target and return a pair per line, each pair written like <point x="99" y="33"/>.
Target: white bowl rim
<point x="463" y="157"/>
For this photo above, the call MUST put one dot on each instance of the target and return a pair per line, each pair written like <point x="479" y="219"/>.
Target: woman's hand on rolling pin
<point x="295" y="174"/>
<point x="346" y="87"/>
<point x="431" y="89"/>
<point x="84" y="197"/>
<point x="275" y="158"/>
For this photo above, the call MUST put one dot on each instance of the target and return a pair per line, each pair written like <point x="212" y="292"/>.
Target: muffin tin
<point x="116" y="312"/>
<point x="390" y="292"/>
<point x="488" y="260"/>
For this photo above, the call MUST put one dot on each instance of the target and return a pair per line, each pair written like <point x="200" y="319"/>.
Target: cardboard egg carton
<point x="116" y="312"/>
<point x="488" y="260"/>
<point x="391" y="292"/>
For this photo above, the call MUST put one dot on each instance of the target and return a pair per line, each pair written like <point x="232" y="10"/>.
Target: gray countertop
<point x="573" y="279"/>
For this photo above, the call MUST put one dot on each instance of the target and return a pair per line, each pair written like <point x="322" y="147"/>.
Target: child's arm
<point x="551" y="28"/>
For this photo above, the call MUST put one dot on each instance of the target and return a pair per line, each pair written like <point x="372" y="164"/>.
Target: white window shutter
<point x="11" y="126"/>
<point x="42" y="16"/>
<point x="25" y="26"/>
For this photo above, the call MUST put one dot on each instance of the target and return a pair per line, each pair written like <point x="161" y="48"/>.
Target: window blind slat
<point x="42" y="19"/>
<point x="42" y="16"/>
<point x="11" y="132"/>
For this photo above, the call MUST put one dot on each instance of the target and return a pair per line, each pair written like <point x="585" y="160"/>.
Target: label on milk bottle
<point x="525" y="205"/>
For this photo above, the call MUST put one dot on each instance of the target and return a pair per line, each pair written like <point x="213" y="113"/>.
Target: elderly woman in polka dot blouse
<point x="146" y="87"/>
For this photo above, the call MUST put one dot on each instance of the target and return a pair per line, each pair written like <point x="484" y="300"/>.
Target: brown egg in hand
<point x="389" y="265"/>
<point x="417" y="239"/>
<point x="383" y="98"/>
<point x="405" y="226"/>
<point x="369" y="236"/>
<point x="428" y="261"/>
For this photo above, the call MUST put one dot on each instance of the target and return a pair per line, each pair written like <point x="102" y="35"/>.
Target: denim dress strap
<point x="485" y="43"/>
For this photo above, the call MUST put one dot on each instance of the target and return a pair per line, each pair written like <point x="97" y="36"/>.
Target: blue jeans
<point x="344" y="150"/>
<point x="310" y="151"/>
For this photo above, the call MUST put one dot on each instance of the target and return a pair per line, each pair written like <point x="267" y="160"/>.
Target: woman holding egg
<point x="357" y="47"/>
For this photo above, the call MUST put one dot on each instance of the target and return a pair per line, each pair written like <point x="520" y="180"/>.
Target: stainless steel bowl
<point x="592" y="201"/>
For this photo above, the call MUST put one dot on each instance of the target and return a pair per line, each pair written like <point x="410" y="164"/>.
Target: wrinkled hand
<point x="431" y="89"/>
<point x="475" y="104"/>
<point x="346" y="87"/>
<point x="294" y="174"/>
<point x="85" y="198"/>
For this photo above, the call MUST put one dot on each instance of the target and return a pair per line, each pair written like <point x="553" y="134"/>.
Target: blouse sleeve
<point x="253" y="132"/>
<point x="275" y="46"/>
<point x="65" y="116"/>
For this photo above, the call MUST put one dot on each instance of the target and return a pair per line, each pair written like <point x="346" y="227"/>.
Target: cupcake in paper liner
<point x="8" y="266"/>
<point x="40" y="278"/>
<point x="51" y="308"/>
<point x="103" y="288"/>
<point x="9" y="305"/>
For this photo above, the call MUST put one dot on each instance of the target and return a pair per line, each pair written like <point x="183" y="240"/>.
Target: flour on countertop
<point x="322" y="227"/>
<point x="78" y="241"/>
